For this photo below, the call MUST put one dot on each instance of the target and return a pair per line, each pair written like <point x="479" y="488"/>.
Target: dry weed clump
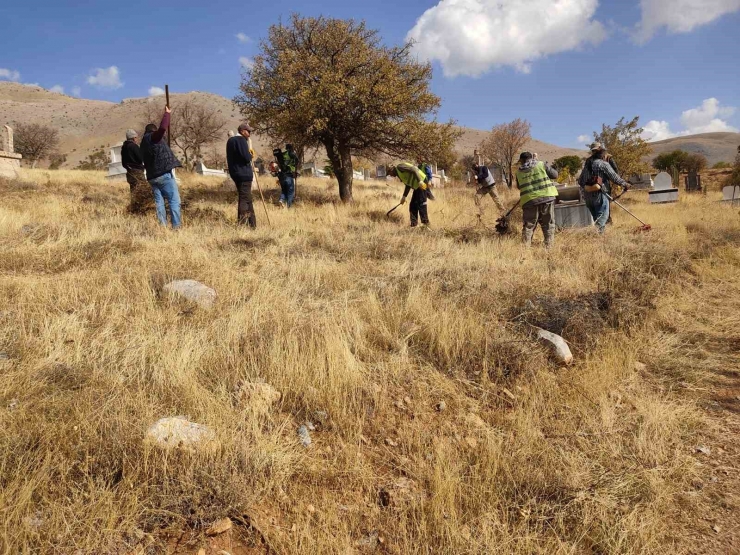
<point x="440" y="424"/>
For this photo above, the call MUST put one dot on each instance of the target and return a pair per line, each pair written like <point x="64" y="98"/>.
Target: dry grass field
<point x="365" y="326"/>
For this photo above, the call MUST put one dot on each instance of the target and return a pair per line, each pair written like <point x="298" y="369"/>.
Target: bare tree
<point x="504" y="144"/>
<point x="35" y="141"/>
<point x="193" y="125"/>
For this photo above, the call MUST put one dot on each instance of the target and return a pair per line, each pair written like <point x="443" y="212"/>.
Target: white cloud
<point x="246" y="63"/>
<point x="106" y="78"/>
<point x="469" y="37"/>
<point x="585" y="139"/>
<point x="707" y="118"/>
<point x="680" y="16"/>
<point x="156" y="91"/>
<point x="76" y="91"/>
<point x="241" y="37"/>
<point x="57" y="89"/>
<point x="657" y="131"/>
<point x="9" y="74"/>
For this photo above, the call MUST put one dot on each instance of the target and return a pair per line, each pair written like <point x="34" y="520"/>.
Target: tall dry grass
<point x="346" y="311"/>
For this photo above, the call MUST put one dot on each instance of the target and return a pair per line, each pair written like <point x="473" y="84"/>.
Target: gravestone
<point x="693" y="182"/>
<point x="570" y="210"/>
<point x="642" y="181"/>
<point x="116" y="171"/>
<point x="380" y="172"/>
<point x="201" y="169"/>
<point x="664" y="190"/>
<point x="731" y="194"/>
<point x="366" y="173"/>
<point x="10" y="162"/>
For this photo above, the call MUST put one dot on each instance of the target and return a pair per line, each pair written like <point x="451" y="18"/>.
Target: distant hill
<point x="716" y="147"/>
<point x="87" y="125"/>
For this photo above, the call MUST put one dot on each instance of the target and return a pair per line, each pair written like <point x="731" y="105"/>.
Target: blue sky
<point x="565" y="65"/>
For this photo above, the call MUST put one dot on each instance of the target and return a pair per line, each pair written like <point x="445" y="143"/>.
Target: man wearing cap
<point x="239" y="159"/>
<point x="131" y="160"/>
<point x="486" y="185"/>
<point x="537" y="194"/>
<point x="595" y="181"/>
<point x="160" y="163"/>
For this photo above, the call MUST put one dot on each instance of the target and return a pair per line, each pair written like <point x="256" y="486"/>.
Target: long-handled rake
<point x="387" y="214"/>
<point x="645" y="227"/>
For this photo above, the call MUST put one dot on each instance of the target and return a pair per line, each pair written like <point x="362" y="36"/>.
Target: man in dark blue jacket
<point x="160" y="163"/>
<point x="239" y="159"/>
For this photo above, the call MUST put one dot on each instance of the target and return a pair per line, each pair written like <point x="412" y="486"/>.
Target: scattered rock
<point x="321" y="416"/>
<point x="407" y="400"/>
<point x="441" y="406"/>
<point x="704" y="450"/>
<point x="4" y="356"/>
<point x="310" y="426"/>
<point x="13" y="404"/>
<point x="399" y="405"/>
<point x="258" y="397"/>
<point x="192" y="290"/>
<point x="557" y="344"/>
<point x="311" y="509"/>
<point x="219" y="527"/>
<point x="390" y="442"/>
<point x="179" y="433"/>
<point x="30" y="229"/>
<point x="399" y="492"/>
<point x="371" y="541"/>
<point x="509" y="394"/>
<point x="304" y="436"/>
<point x="640" y="367"/>
<point x="717" y="529"/>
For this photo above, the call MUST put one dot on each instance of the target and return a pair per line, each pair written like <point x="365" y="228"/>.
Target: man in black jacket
<point x="239" y="159"/>
<point x="160" y="162"/>
<point x="133" y="163"/>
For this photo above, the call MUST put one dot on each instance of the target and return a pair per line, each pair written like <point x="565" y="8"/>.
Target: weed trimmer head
<point x="502" y="224"/>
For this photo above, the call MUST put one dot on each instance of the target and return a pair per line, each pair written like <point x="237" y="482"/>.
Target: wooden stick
<point x="254" y="172"/>
<point x="167" y="99"/>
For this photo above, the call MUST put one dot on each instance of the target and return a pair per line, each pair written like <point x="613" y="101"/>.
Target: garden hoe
<point x="502" y="224"/>
<point x="645" y="227"/>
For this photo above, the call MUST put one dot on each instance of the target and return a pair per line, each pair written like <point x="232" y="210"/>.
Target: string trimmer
<point x="645" y="227"/>
<point x="502" y="224"/>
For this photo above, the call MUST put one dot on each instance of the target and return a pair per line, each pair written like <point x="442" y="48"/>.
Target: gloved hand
<point x="403" y="200"/>
<point x="251" y="152"/>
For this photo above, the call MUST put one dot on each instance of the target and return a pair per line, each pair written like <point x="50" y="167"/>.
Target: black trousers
<point x="245" y="211"/>
<point x="418" y="207"/>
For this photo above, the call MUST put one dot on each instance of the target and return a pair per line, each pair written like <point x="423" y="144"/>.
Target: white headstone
<point x="7" y="139"/>
<point x="116" y="171"/>
<point x="664" y="190"/>
<point x="663" y="181"/>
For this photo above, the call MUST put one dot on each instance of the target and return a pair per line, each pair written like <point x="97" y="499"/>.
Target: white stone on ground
<point x="559" y="346"/>
<point x="177" y="432"/>
<point x="193" y="291"/>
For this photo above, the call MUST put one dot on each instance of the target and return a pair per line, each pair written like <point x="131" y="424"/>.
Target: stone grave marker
<point x="664" y="190"/>
<point x="380" y="172"/>
<point x="10" y="162"/>
<point x="693" y="181"/>
<point x="116" y="171"/>
<point x="570" y="210"/>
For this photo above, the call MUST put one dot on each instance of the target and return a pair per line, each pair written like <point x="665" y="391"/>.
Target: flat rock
<point x="219" y="527"/>
<point x="177" y="432"/>
<point x="192" y="290"/>
<point x="304" y="436"/>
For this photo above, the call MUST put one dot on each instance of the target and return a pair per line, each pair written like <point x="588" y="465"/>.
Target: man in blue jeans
<point x="288" y="163"/>
<point x="160" y="162"/>
<point x="596" y="181"/>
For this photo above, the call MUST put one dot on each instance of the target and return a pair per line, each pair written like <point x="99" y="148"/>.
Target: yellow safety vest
<point x="411" y="176"/>
<point x="534" y="183"/>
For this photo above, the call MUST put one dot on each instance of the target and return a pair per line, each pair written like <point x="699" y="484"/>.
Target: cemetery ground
<point x="438" y="423"/>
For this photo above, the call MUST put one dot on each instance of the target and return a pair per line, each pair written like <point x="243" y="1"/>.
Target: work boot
<point x="527" y="236"/>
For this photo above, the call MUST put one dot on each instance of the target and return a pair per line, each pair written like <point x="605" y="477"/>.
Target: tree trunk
<point x="340" y="158"/>
<point x="33" y="164"/>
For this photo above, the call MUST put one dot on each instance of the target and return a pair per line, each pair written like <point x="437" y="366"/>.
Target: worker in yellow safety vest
<point x="414" y="179"/>
<point x="537" y="194"/>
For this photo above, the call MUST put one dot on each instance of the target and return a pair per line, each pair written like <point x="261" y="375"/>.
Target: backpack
<point x="594" y="182"/>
